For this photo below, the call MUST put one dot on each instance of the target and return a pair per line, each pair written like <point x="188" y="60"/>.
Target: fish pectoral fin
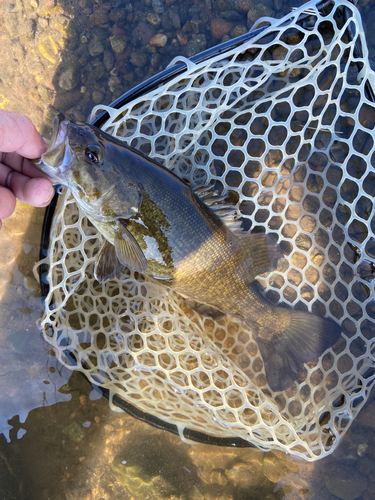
<point x="304" y="339"/>
<point x="261" y="253"/>
<point x="128" y="250"/>
<point x="107" y="265"/>
<point x="204" y="309"/>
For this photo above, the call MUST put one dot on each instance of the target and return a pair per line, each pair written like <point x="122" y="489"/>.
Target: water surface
<point x="58" y="437"/>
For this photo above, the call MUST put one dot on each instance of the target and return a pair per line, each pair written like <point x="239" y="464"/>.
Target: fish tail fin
<point x="261" y="254"/>
<point x="304" y="339"/>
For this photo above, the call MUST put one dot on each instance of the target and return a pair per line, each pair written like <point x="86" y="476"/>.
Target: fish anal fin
<point x="128" y="251"/>
<point x="306" y="338"/>
<point x="107" y="265"/>
<point x="205" y="310"/>
<point x="261" y="252"/>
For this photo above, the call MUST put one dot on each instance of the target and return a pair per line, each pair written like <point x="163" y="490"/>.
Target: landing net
<point x="284" y="125"/>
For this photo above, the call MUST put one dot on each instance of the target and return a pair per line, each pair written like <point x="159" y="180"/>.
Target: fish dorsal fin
<point x="107" y="265"/>
<point x="128" y="250"/>
<point x="226" y="211"/>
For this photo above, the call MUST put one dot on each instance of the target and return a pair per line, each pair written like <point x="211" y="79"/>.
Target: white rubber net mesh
<point x="283" y="124"/>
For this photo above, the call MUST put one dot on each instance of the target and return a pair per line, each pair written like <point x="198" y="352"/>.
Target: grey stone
<point x="196" y="45"/>
<point x="108" y="60"/>
<point x="143" y="33"/>
<point x="69" y="79"/>
<point x="231" y="15"/>
<point x="95" y="47"/>
<point x="138" y="58"/>
<point x="158" y="6"/>
<point x="175" y="19"/>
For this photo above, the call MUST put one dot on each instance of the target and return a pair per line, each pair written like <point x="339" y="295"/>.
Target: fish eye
<point x="94" y="153"/>
<point x="91" y="156"/>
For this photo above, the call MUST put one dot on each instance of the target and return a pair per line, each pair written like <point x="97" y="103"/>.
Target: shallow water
<point x="58" y="437"/>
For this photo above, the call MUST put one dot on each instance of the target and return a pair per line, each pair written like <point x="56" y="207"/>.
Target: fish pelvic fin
<point x="261" y="254"/>
<point x="305" y="338"/>
<point x="107" y="266"/>
<point x="128" y="251"/>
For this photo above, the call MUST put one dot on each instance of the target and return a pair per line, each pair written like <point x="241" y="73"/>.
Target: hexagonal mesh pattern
<point x="284" y="125"/>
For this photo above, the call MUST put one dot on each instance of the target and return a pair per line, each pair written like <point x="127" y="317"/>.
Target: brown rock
<point x="220" y="27"/>
<point x="182" y="38"/>
<point x="159" y="40"/>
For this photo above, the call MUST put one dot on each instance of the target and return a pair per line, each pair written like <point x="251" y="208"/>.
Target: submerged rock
<point x="138" y="58"/>
<point x="220" y="27"/>
<point x="236" y="5"/>
<point x="196" y="45"/>
<point x="153" y="19"/>
<point x="143" y="33"/>
<point x="159" y="40"/>
<point x="69" y="79"/>
<point x="118" y="43"/>
<point x="95" y="47"/>
<point x="257" y="12"/>
<point x="158" y="6"/>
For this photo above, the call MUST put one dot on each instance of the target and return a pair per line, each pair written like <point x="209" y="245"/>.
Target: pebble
<point x="153" y="19"/>
<point x="158" y="6"/>
<point x="118" y="43"/>
<point x="175" y="19"/>
<point x="159" y="40"/>
<point x="231" y="15"/>
<point x="143" y="33"/>
<point x="95" y="47"/>
<point x="98" y="19"/>
<point x="114" y="82"/>
<point x="108" y="60"/>
<point x="197" y="26"/>
<point x="236" y="5"/>
<point x="196" y="45"/>
<point x="220" y="27"/>
<point x="47" y="4"/>
<point x="69" y="79"/>
<point x="238" y="31"/>
<point x="182" y="38"/>
<point x="117" y="15"/>
<point x="75" y="431"/>
<point x="257" y="12"/>
<point x="138" y="58"/>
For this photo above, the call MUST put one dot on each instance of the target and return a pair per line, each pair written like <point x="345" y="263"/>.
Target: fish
<point x="185" y="238"/>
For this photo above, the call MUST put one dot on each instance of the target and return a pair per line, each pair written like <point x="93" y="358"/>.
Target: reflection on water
<point x="58" y="439"/>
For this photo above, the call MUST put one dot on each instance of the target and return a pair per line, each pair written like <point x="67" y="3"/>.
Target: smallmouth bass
<point x="154" y="223"/>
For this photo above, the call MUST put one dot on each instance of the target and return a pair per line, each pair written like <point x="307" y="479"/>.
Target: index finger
<point x="20" y="164"/>
<point x="18" y="134"/>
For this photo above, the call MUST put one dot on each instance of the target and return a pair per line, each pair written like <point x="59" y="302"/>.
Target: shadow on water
<point x="68" y="57"/>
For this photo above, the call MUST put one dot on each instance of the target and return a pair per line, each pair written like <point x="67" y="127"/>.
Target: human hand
<point x="19" y="178"/>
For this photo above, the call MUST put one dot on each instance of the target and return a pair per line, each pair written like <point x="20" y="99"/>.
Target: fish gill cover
<point x="283" y="124"/>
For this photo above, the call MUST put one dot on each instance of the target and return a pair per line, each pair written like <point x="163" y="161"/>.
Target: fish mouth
<point x="55" y="162"/>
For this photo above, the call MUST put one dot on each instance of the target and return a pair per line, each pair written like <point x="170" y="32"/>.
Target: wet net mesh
<point x="284" y="125"/>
